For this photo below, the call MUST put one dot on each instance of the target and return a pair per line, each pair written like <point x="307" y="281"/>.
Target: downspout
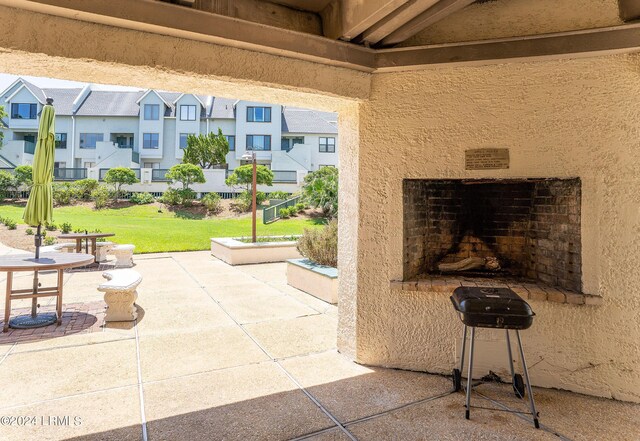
<point x="73" y="141"/>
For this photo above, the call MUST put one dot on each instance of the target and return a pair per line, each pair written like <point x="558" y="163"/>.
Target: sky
<point x="7" y="79"/>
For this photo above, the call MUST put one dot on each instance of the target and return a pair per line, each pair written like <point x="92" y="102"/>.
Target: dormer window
<point x="188" y="112"/>
<point x="259" y="114"/>
<point x="151" y="111"/>
<point x="24" y="111"/>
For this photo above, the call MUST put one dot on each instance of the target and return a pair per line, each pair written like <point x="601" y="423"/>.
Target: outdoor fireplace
<point x="524" y="229"/>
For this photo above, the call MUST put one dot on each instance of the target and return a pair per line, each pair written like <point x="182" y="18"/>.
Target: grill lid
<point x="476" y="300"/>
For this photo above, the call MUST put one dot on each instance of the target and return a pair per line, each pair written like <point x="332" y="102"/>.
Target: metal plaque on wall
<point x="486" y="159"/>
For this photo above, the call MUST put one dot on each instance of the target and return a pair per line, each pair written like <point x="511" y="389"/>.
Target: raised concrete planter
<point x="318" y="280"/>
<point x="235" y="252"/>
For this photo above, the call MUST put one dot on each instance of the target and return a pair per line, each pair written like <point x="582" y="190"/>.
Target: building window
<point x="24" y="111"/>
<point x="152" y="111"/>
<point x="231" y="139"/>
<point x="60" y="165"/>
<point x="61" y="140"/>
<point x="327" y="145"/>
<point x="258" y="142"/>
<point x="288" y="143"/>
<point x="154" y="165"/>
<point x="89" y="164"/>
<point x="188" y="113"/>
<point x="89" y="140"/>
<point x="150" y="140"/>
<point x="183" y="139"/>
<point x="259" y="114"/>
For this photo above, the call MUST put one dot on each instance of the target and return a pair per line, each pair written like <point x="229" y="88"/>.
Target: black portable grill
<point x="501" y="308"/>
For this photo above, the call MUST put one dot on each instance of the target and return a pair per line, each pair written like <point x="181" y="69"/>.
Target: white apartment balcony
<point x="19" y="152"/>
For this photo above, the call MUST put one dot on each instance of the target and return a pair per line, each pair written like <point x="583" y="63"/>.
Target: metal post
<point x="510" y="356"/>
<point x="470" y="372"/>
<point x="526" y="378"/>
<point x="254" y="209"/>
<point x="464" y="342"/>
<point x="36" y="283"/>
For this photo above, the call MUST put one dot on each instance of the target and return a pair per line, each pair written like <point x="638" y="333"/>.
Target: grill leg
<point x="526" y="378"/>
<point x="513" y="374"/>
<point x="464" y="343"/>
<point x="469" y="372"/>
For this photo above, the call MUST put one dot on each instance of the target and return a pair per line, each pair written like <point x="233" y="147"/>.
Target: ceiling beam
<point x="177" y="21"/>
<point x="437" y="12"/>
<point x="346" y="19"/>
<point x="396" y="19"/>
<point x="264" y="12"/>
<point x="629" y="9"/>
<point x="572" y="44"/>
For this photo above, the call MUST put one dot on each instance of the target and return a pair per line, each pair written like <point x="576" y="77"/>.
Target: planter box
<point x="318" y="280"/>
<point x="235" y="252"/>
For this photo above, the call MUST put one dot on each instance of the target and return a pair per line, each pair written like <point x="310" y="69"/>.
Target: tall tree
<point x="206" y="150"/>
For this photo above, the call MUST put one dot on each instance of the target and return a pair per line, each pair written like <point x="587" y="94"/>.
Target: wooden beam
<point x="346" y="19"/>
<point x="629" y="9"/>
<point x="168" y="19"/>
<point x="432" y="15"/>
<point x="396" y="19"/>
<point x="573" y="44"/>
<point x="263" y="12"/>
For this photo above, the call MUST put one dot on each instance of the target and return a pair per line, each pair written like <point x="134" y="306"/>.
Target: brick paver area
<point x="234" y="353"/>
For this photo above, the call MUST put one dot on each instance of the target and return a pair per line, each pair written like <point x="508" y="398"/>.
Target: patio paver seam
<point x="31" y="351"/>
<point x="309" y="395"/>
<point x="4" y="357"/>
<point x="140" y="388"/>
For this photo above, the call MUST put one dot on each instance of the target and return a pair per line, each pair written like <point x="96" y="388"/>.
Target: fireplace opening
<point x="525" y="229"/>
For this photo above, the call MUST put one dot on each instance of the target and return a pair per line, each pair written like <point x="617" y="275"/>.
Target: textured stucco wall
<point x="512" y="18"/>
<point x="559" y="119"/>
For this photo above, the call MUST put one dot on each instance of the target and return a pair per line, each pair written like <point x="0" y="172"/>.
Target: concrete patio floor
<point x="234" y="353"/>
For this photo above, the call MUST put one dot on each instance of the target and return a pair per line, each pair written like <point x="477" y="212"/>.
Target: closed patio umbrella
<point x="39" y="209"/>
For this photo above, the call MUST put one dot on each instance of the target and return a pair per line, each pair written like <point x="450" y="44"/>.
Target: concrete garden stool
<point x="501" y="308"/>
<point x="102" y="248"/>
<point x="120" y="294"/>
<point x="123" y="254"/>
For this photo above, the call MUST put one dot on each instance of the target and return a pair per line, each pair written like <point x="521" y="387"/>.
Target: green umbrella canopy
<point x="39" y="208"/>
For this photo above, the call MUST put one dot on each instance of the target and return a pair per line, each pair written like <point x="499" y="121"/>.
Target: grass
<point x="152" y="231"/>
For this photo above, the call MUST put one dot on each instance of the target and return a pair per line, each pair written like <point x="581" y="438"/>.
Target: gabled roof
<point x="295" y="120"/>
<point x="110" y="103"/>
<point x="197" y="97"/>
<point x="36" y="91"/>
<point x="168" y="103"/>
<point x="63" y="99"/>
<point x="223" y="108"/>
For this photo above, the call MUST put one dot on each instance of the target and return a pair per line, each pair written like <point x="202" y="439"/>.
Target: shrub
<point x="299" y="207"/>
<point x="243" y="202"/>
<point x="118" y="177"/>
<point x="51" y="227"/>
<point x="170" y="197"/>
<point x="82" y="189"/>
<point x="65" y="227"/>
<point x="11" y="224"/>
<point x="212" y="202"/>
<point x="142" y="198"/>
<point x="43" y="233"/>
<point x="29" y="232"/>
<point x="243" y="176"/>
<point x="62" y="193"/>
<point x="187" y="196"/>
<point x="286" y="212"/>
<point x="321" y="245"/>
<point x="23" y="175"/>
<point x="187" y="174"/>
<point x="279" y="195"/>
<point x="101" y="196"/>
<point x="320" y="189"/>
<point x="7" y="183"/>
<point x="49" y="240"/>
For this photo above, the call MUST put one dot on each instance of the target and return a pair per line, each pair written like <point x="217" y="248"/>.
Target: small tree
<point x="2" y="126"/>
<point x="320" y="189"/>
<point x="119" y="176"/>
<point x="243" y="176"/>
<point x="7" y="183"/>
<point x="24" y="175"/>
<point x="206" y="150"/>
<point x="187" y="174"/>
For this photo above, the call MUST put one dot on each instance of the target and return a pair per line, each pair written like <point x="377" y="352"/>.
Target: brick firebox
<point x="532" y="226"/>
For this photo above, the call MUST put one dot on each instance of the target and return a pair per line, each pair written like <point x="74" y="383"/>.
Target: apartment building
<point x="100" y="129"/>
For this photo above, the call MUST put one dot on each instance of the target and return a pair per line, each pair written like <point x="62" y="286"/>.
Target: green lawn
<point x="151" y="231"/>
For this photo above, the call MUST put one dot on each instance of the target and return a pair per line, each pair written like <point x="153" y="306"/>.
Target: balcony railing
<point x="285" y="176"/>
<point x="159" y="174"/>
<point x="69" y="174"/>
<point x="135" y="157"/>
<point x="103" y="171"/>
<point x="125" y="146"/>
<point x="29" y="147"/>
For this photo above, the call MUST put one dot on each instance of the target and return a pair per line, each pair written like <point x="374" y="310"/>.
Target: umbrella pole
<point x="36" y="283"/>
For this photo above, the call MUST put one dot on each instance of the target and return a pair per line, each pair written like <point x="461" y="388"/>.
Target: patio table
<point x="79" y="237"/>
<point x="47" y="261"/>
